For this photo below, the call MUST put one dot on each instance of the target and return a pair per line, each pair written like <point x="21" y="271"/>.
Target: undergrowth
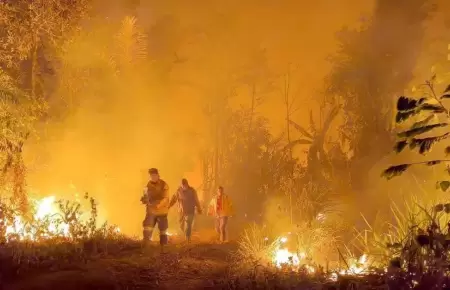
<point x="56" y="241"/>
<point x="415" y="245"/>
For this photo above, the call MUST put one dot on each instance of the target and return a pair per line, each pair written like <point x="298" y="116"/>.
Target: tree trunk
<point x="288" y="131"/>
<point x="34" y="68"/>
<point x="216" y="153"/>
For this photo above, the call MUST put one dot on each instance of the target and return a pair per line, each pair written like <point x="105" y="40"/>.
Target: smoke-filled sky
<point x="151" y="115"/>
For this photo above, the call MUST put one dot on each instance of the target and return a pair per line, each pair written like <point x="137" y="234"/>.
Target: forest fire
<point x="292" y="166"/>
<point x="283" y="258"/>
<point x="46" y="218"/>
<point x="50" y="218"/>
<point x="356" y="267"/>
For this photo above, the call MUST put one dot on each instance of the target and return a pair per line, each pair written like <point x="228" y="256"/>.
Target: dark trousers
<point x="221" y="227"/>
<point x="149" y="224"/>
<point x="186" y="221"/>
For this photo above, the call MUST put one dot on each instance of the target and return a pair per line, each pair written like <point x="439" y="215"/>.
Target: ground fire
<point x="290" y="144"/>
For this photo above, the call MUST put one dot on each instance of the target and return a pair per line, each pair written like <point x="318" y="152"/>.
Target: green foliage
<point x="426" y="109"/>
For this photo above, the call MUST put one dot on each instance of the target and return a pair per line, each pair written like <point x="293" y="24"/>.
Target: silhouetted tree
<point x="253" y="167"/>
<point x="318" y="182"/>
<point x="373" y="65"/>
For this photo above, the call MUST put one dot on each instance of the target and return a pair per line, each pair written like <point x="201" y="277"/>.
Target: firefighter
<point x="221" y="208"/>
<point x="187" y="199"/>
<point x="156" y="200"/>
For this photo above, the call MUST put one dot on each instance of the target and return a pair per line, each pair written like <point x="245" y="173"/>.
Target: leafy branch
<point x="427" y="110"/>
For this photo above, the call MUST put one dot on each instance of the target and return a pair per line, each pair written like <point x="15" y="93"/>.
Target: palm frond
<point x="131" y="42"/>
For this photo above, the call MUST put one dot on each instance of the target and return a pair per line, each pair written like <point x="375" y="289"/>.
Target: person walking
<point x="156" y="200"/>
<point x="187" y="200"/>
<point x="221" y="208"/>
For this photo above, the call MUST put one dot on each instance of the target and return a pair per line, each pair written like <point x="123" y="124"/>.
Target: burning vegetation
<point x="51" y="219"/>
<point x="96" y="96"/>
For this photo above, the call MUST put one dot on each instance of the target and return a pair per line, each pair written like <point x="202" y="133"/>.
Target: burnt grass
<point x="122" y="264"/>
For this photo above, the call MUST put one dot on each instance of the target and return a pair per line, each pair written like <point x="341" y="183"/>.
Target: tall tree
<point x="29" y="29"/>
<point x="372" y="66"/>
<point x="18" y="114"/>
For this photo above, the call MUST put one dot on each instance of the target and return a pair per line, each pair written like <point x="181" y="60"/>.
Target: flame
<point x="357" y="267"/>
<point x="44" y="207"/>
<point x="284" y="258"/>
<point x="45" y="211"/>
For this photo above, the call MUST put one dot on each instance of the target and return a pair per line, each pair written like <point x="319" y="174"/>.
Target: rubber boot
<point x="163" y="240"/>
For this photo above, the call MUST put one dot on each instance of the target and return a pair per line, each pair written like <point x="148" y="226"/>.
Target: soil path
<point x="196" y="266"/>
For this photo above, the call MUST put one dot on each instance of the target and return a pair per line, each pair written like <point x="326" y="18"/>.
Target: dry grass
<point x="317" y="240"/>
<point x="257" y="247"/>
<point x="414" y="244"/>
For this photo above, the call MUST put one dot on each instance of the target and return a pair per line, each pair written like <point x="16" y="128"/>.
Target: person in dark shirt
<point x="187" y="200"/>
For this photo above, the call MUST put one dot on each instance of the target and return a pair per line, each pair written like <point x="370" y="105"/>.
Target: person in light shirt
<point x="221" y="208"/>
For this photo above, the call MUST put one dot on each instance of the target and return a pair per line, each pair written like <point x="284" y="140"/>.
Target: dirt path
<point x="194" y="266"/>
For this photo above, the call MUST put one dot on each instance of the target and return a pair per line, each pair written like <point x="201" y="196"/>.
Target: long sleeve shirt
<point x="156" y="198"/>
<point x="221" y="206"/>
<point x="187" y="200"/>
